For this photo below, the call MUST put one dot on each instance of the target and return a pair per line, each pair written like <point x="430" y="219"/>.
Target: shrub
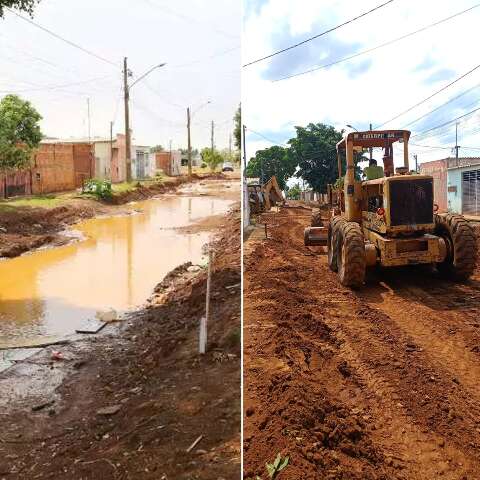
<point x="100" y="188"/>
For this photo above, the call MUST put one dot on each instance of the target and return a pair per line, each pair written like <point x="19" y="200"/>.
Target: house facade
<point x="456" y="184"/>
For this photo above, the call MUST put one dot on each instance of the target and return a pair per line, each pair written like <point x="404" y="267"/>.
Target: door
<point x="140" y="165"/>
<point x="471" y="192"/>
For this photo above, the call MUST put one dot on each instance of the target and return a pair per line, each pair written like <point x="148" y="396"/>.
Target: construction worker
<point x="373" y="171"/>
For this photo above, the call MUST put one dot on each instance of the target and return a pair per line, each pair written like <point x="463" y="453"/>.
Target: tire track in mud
<point x="341" y="385"/>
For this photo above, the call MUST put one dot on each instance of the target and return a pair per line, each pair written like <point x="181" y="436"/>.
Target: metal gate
<point x="141" y="165"/>
<point x="471" y="192"/>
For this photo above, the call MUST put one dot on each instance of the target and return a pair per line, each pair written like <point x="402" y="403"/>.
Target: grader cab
<point x="392" y="221"/>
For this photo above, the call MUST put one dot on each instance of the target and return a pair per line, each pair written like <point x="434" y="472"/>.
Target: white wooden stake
<point x="204" y="320"/>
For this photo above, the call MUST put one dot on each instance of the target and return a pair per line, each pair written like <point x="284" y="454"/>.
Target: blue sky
<point x="200" y="44"/>
<point x="370" y="88"/>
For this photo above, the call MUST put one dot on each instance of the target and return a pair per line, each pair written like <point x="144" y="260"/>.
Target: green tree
<point x="314" y="149"/>
<point x="19" y="132"/>
<point x="157" y="148"/>
<point x="22" y="5"/>
<point x="237" y="129"/>
<point x="293" y="193"/>
<point x="271" y="161"/>
<point x="212" y="158"/>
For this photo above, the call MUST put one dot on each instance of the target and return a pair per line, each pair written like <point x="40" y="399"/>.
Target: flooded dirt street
<point x="127" y="403"/>
<point x="49" y="293"/>
<point x="376" y="384"/>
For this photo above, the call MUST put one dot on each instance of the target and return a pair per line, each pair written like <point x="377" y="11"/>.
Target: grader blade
<point x="315" y="236"/>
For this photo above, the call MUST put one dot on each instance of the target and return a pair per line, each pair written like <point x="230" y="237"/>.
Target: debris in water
<point x="56" y="355"/>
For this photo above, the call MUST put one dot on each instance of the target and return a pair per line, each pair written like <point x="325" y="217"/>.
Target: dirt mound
<point x="138" y="400"/>
<point x="375" y="384"/>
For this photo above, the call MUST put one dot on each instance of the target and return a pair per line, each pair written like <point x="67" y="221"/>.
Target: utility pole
<point x="230" y="146"/>
<point x="111" y="147"/>
<point x="244" y="151"/>
<point x="456" y="142"/>
<point x="212" y="135"/>
<point x="371" y="149"/>
<point x="88" y="116"/>
<point x="128" y="153"/>
<point x="189" y="144"/>
<point x="415" y="156"/>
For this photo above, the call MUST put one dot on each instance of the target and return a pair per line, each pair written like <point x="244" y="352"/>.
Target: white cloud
<point x="184" y="34"/>
<point x="392" y="83"/>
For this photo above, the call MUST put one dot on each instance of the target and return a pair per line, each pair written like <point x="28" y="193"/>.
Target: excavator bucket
<point x="315" y="236"/>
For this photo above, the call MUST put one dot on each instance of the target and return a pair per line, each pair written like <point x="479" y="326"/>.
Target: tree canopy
<point x="19" y="132"/>
<point x="157" y="148"/>
<point x="271" y="161"/>
<point x="237" y="130"/>
<point x="314" y="150"/>
<point x="22" y="5"/>
<point x="213" y="158"/>
<point x="293" y="193"/>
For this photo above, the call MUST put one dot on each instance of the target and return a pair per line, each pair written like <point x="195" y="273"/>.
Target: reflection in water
<point x="52" y="292"/>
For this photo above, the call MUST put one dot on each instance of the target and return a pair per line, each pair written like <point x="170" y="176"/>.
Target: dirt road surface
<point x="382" y="383"/>
<point x="131" y="402"/>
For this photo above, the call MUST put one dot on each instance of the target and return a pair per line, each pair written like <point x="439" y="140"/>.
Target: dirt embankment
<point x="25" y="228"/>
<point x="161" y="394"/>
<point x="376" y="384"/>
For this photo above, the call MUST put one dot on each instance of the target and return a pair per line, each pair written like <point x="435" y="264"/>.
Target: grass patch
<point x="34" y="201"/>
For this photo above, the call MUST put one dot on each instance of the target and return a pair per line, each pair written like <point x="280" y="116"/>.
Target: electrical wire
<point x="54" y="87"/>
<point x="363" y="52"/>
<point x="442" y="105"/>
<point x="318" y="35"/>
<point x="430" y="97"/>
<point x="59" y="37"/>
<point x="267" y="139"/>
<point x="446" y="123"/>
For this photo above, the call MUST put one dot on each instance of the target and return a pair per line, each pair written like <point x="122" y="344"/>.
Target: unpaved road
<point x="376" y="384"/>
<point x="163" y="395"/>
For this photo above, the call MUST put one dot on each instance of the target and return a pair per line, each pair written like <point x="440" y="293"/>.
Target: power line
<point x="431" y="96"/>
<point x="442" y="105"/>
<point x="72" y="44"/>
<point x="363" y="52"/>
<point x="54" y="87"/>
<point x="318" y="35"/>
<point x="446" y="123"/>
<point x="265" y="138"/>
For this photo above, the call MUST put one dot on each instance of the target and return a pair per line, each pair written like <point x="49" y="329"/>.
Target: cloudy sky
<point x="372" y="87"/>
<point x="199" y="41"/>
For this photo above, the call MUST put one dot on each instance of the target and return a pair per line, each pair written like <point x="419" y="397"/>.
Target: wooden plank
<point x="91" y="326"/>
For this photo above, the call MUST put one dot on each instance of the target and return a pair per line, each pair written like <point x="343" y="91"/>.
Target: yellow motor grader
<point x="390" y="221"/>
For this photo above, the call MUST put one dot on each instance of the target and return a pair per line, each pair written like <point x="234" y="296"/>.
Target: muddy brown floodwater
<point x="49" y="293"/>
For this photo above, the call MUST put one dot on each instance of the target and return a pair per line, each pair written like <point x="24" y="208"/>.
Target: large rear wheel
<point x="351" y="258"/>
<point x="333" y="242"/>
<point x="316" y="220"/>
<point x="460" y="240"/>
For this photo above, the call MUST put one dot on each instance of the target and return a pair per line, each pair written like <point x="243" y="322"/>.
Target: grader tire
<point x="351" y="258"/>
<point x="316" y="220"/>
<point x="461" y="246"/>
<point x="333" y="242"/>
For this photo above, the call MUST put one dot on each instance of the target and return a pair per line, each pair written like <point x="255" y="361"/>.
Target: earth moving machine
<point x="263" y="197"/>
<point x="392" y="221"/>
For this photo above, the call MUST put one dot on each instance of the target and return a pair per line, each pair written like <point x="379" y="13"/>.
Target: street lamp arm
<point x="147" y="73"/>
<point x="201" y="106"/>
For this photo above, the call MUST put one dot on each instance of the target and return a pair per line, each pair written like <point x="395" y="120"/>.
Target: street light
<point x="128" y="153"/>
<point x="353" y="128"/>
